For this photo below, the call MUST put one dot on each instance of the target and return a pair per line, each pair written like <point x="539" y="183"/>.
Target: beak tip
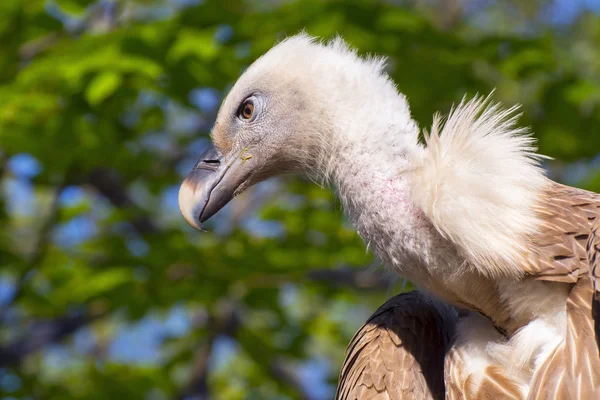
<point x="187" y="204"/>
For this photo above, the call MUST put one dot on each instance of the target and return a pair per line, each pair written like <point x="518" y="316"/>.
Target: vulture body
<point x="505" y="258"/>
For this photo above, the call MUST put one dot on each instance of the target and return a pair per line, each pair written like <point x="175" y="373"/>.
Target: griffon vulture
<point x="497" y="249"/>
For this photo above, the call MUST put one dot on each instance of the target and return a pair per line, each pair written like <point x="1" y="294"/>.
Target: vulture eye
<point x="246" y="110"/>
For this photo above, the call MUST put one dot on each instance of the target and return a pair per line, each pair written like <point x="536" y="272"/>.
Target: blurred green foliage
<point x="104" y="106"/>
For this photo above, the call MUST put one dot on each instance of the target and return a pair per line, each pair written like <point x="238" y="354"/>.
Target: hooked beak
<point x="211" y="184"/>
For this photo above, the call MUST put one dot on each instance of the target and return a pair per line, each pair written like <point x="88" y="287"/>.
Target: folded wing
<point x="399" y="352"/>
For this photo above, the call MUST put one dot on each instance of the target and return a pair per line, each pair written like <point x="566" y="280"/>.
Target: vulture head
<point x="295" y="109"/>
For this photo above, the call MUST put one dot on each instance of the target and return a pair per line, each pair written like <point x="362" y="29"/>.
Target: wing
<point x="399" y="352"/>
<point x="573" y="370"/>
<point x="566" y="251"/>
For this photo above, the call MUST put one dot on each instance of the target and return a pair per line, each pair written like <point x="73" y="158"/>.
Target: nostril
<point x="210" y="164"/>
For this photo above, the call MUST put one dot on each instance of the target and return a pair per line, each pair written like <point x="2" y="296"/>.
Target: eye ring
<point x="246" y="111"/>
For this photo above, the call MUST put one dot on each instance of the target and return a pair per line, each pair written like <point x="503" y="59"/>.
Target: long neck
<point x="374" y="186"/>
<point x="372" y="178"/>
<point x="368" y="162"/>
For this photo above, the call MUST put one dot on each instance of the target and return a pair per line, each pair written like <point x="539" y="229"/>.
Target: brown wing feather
<point x="493" y="383"/>
<point x="399" y="352"/>
<point x="593" y="252"/>
<point x="466" y="380"/>
<point x="594" y="262"/>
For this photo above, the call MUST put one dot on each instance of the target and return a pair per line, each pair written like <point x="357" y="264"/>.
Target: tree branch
<point x="359" y="278"/>
<point x="109" y="184"/>
<point x="282" y="373"/>
<point x="39" y="248"/>
<point x="43" y="334"/>
<point x="225" y="322"/>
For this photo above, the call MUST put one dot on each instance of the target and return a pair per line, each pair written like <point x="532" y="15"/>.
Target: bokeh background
<point x="105" y="292"/>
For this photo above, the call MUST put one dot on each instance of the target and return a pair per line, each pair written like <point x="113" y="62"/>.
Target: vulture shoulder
<point x="558" y="252"/>
<point x="399" y="352"/>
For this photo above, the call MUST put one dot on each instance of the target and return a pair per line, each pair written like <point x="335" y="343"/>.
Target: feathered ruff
<point x="478" y="181"/>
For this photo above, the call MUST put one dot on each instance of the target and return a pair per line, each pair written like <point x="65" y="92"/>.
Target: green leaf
<point x="192" y="42"/>
<point x="102" y="86"/>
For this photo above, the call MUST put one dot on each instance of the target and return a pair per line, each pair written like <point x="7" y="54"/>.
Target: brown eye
<point x="247" y="110"/>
